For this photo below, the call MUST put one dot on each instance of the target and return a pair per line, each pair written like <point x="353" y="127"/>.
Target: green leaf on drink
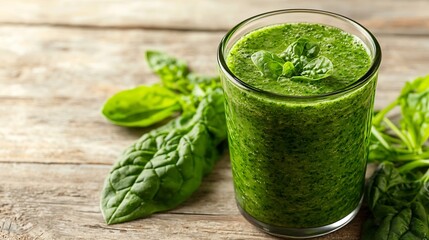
<point x="316" y="69"/>
<point x="311" y="49"/>
<point x="268" y="63"/>
<point x="288" y="69"/>
<point x="301" y="47"/>
<point x="298" y="62"/>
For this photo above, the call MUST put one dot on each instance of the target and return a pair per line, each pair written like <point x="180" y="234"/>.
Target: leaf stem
<point x="391" y="138"/>
<point x="380" y="115"/>
<point x="414" y="164"/>
<point x="380" y="138"/>
<point x="398" y="133"/>
<point x="412" y="156"/>
<point x="425" y="177"/>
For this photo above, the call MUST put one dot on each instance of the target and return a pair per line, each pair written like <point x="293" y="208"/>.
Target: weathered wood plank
<point x="90" y="64"/>
<point x="385" y="16"/>
<point x="61" y="202"/>
<point x="52" y="87"/>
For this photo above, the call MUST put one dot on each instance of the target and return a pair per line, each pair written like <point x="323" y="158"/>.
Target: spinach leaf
<point x="298" y="62"/>
<point x="318" y="68"/>
<point x="204" y="82"/>
<point x="269" y="64"/>
<point x="418" y="85"/>
<point x="288" y="70"/>
<point x="408" y="141"/>
<point x="172" y="71"/>
<point x="301" y="47"/>
<point x="300" y="53"/>
<point x="141" y="106"/>
<point x="397" y="202"/>
<point x="415" y="121"/>
<point x="146" y="105"/>
<point x="311" y="49"/>
<point x="165" y="166"/>
<point x="175" y="74"/>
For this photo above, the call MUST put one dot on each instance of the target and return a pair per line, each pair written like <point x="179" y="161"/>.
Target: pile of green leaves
<point x="398" y="192"/>
<point x="300" y="61"/>
<point x="166" y="165"/>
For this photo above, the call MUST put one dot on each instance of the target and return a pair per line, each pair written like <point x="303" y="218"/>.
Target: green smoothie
<point x="299" y="162"/>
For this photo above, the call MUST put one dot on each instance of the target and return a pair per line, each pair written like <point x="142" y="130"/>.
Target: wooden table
<point x="60" y="60"/>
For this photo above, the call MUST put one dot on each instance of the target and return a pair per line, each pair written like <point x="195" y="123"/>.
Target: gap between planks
<point x="112" y="27"/>
<point x="170" y="29"/>
<point x="59" y="163"/>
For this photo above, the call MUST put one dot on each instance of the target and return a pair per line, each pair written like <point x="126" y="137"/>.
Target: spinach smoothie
<point x="298" y="116"/>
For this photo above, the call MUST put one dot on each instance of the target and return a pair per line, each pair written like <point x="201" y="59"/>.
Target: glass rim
<point x="359" y="82"/>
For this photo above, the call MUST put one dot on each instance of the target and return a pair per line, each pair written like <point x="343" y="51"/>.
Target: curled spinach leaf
<point x="165" y="166"/>
<point x="141" y="106"/>
<point x="298" y="62"/>
<point x="301" y="47"/>
<point x="288" y="70"/>
<point x="399" y="205"/>
<point x="269" y="64"/>
<point x="318" y="68"/>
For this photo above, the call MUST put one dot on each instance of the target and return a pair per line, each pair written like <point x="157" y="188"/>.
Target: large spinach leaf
<point x="399" y="205"/>
<point x="165" y="166"/>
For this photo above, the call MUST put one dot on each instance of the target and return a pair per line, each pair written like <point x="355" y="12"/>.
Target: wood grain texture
<point x="52" y="201"/>
<point x="382" y="16"/>
<point x="60" y="60"/>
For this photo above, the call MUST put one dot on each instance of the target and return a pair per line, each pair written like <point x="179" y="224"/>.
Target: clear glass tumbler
<point x="299" y="162"/>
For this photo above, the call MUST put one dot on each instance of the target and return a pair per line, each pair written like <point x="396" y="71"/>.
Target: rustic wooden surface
<point x="60" y="60"/>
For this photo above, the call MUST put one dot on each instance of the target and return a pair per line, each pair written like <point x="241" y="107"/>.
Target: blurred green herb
<point x="398" y="192"/>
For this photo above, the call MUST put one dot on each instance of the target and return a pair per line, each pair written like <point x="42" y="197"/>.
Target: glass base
<point x="301" y="233"/>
